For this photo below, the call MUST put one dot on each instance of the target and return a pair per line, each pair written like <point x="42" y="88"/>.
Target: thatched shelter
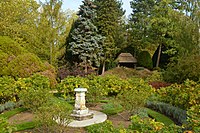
<point x="127" y="59"/>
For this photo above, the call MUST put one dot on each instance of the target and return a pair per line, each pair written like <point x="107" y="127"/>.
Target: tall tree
<point x="53" y="21"/>
<point x="85" y="42"/>
<point x="109" y="16"/>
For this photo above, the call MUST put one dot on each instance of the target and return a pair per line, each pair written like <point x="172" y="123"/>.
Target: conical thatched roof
<point x="126" y="58"/>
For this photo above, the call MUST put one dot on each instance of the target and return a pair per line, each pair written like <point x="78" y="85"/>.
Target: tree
<point x="53" y="23"/>
<point x="108" y="20"/>
<point x="85" y="42"/>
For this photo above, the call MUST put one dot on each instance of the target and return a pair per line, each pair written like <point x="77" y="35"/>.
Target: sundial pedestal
<point x="81" y="112"/>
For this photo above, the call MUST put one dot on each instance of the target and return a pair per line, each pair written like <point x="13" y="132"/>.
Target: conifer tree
<point x="109" y="16"/>
<point x="85" y="42"/>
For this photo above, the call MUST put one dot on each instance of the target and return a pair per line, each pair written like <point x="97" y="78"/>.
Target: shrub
<point x="53" y="116"/>
<point x="24" y="66"/>
<point x="112" y="108"/>
<point x="179" y="115"/>
<point x="147" y="125"/>
<point x="144" y="60"/>
<point x="185" y="68"/>
<point x="194" y="118"/>
<point x="183" y="96"/>
<point x="7" y="89"/>
<point x="105" y="127"/>
<point x="34" y="91"/>
<point x="5" y="127"/>
<point x="10" y="47"/>
<point x="158" y="85"/>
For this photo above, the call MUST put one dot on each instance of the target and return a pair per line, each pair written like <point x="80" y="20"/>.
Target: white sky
<point x="74" y="5"/>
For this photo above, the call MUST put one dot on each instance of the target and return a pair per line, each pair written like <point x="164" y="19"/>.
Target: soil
<point x="118" y="120"/>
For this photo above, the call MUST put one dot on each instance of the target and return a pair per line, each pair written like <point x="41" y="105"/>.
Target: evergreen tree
<point x="109" y="16"/>
<point x="85" y="42"/>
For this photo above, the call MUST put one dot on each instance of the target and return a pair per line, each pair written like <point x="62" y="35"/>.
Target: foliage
<point x="185" y="68"/>
<point x="7" y="89"/>
<point x="135" y="97"/>
<point x="194" y="118"/>
<point x="53" y="116"/>
<point x="144" y="60"/>
<point x="85" y="43"/>
<point x="105" y="127"/>
<point x="73" y="70"/>
<point x="149" y="125"/>
<point x="179" y="115"/>
<point x="183" y="96"/>
<point x="34" y="91"/>
<point x="158" y="85"/>
<point x="11" y="113"/>
<point x="110" y="25"/>
<point x="159" y="117"/>
<point x="24" y="65"/>
<point x="5" y="127"/>
<point x="112" y="108"/>
<point x="25" y="126"/>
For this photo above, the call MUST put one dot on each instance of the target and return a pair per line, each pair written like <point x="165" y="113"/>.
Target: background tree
<point x="109" y="18"/>
<point x="85" y="42"/>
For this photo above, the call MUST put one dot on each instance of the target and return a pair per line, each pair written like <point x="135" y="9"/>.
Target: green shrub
<point x="147" y="125"/>
<point x="3" y="62"/>
<point x="194" y="118"/>
<point x="53" y="116"/>
<point x="135" y="98"/>
<point x="180" y="95"/>
<point x="105" y="127"/>
<point x="10" y="47"/>
<point x="185" y="68"/>
<point x="7" y="89"/>
<point x="34" y="91"/>
<point x="5" y="127"/>
<point x="112" y="108"/>
<point x="24" y="66"/>
<point x="144" y="60"/>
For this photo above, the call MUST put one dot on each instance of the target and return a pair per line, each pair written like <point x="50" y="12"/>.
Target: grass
<point x="26" y="125"/>
<point x="159" y="117"/>
<point x="11" y="113"/>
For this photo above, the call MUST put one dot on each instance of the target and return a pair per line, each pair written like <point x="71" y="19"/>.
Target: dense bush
<point x="34" y="91"/>
<point x="7" y="89"/>
<point x="144" y="60"/>
<point x="53" y="116"/>
<point x="99" y="86"/>
<point x="179" y="115"/>
<point x="194" y="118"/>
<point x="24" y="66"/>
<point x="147" y="125"/>
<point x="5" y="127"/>
<point x="112" y="108"/>
<point x="183" y="96"/>
<point x="185" y="68"/>
<point x="159" y="84"/>
<point x="10" y="47"/>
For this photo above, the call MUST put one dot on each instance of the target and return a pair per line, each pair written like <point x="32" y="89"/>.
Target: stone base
<point x="81" y="117"/>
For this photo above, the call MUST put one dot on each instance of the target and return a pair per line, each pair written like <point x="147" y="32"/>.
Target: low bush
<point x="158" y="85"/>
<point x="112" y="108"/>
<point x="177" y="114"/>
<point x="194" y="118"/>
<point x="7" y="89"/>
<point x="180" y="95"/>
<point x="147" y="125"/>
<point x="5" y="127"/>
<point x="54" y="116"/>
<point x="34" y="91"/>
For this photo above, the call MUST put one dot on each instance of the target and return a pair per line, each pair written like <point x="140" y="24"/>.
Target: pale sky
<point x="74" y="5"/>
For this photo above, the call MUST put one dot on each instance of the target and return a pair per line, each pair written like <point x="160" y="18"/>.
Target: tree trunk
<point x="158" y="58"/>
<point x="86" y="68"/>
<point x="103" y="69"/>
